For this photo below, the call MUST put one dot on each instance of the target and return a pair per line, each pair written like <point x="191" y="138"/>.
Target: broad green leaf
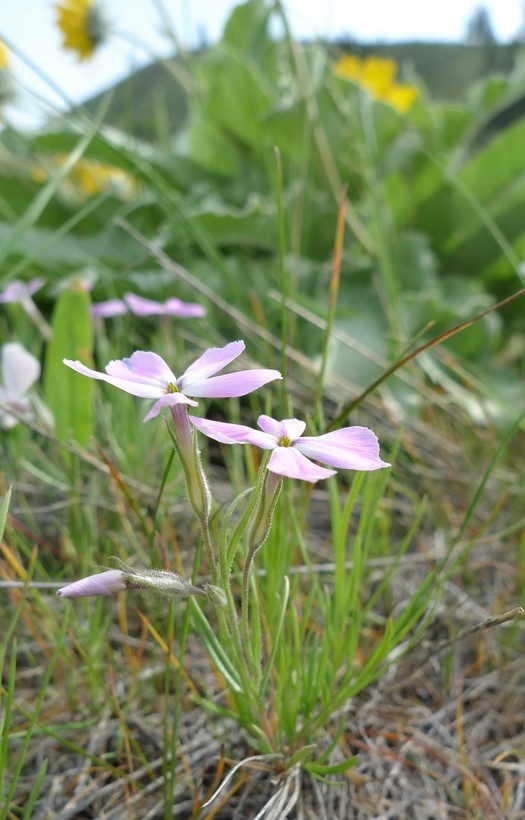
<point x="238" y="98"/>
<point x="210" y="147"/>
<point x="254" y="225"/>
<point x="246" y="30"/>
<point x="68" y="394"/>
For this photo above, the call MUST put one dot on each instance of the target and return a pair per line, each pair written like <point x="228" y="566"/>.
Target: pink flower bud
<point x="104" y="583"/>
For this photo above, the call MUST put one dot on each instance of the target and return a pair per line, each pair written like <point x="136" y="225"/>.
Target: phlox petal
<point x="109" y="308"/>
<point x="136" y="388"/>
<point x="184" y="310"/>
<point x="143" y="307"/>
<point x="169" y="400"/>
<point x="21" y="405"/>
<point x="145" y="367"/>
<point x="270" y="426"/>
<point x="233" y="433"/>
<point x="230" y="385"/>
<point x="211" y="362"/>
<point x="291" y="428"/>
<point x="20" y="369"/>
<point x="353" y="448"/>
<point x="18" y="291"/>
<point x="287" y="461"/>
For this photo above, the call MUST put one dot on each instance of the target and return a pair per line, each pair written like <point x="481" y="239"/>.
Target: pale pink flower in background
<point x="21" y="293"/>
<point x="17" y="291"/>
<point x="20" y="370"/>
<point x="171" y="307"/>
<point x="147" y="307"/>
<point x="148" y="376"/>
<point x="351" y="448"/>
<point x="109" y="309"/>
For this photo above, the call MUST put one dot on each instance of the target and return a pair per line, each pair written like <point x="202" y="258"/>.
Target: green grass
<point x="341" y="258"/>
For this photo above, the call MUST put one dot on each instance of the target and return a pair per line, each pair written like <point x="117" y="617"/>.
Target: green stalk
<point x="332" y="303"/>
<point x="284" y="280"/>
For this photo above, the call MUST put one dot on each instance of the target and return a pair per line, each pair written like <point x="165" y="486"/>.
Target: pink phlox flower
<point x="147" y="307"/>
<point x="109" y="308"/>
<point x="148" y="376"/>
<point x="20" y="370"/>
<point x="171" y="307"/>
<point x="351" y="448"/>
<point x="104" y="583"/>
<point x="17" y="291"/>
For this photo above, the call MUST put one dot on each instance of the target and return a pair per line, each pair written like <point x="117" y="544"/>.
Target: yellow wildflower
<point x="96" y="177"/>
<point x="6" y="84"/>
<point x="377" y="75"/>
<point x="401" y="97"/>
<point x="89" y="177"/>
<point x="83" y="26"/>
<point x="4" y="56"/>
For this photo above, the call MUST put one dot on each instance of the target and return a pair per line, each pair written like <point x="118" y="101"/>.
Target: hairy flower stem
<point x="185" y="443"/>
<point x="260" y="528"/>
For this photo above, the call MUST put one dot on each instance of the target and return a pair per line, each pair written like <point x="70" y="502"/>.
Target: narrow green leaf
<point x="271" y="659"/>
<point x="214" y="648"/>
<point x="4" y="507"/>
<point x="336" y="768"/>
<point x="7" y="712"/>
<point x="301" y="755"/>
<point x="68" y="394"/>
<point x="35" y="791"/>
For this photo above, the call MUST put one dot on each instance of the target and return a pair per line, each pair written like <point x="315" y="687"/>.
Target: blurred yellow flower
<point x="4" y="56"/>
<point x="6" y="85"/>
<point x="83" y="26"/>
<point x="378" y="76"/>
<point x="89" y="177"/>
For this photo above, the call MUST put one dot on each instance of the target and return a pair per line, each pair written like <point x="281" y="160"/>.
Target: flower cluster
<point x="377" y="75"/>
<point x="292" y="454"/>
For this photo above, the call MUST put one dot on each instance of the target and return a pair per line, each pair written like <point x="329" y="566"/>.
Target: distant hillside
<point x="149" y="104"/>
<point x="152" y="103"/>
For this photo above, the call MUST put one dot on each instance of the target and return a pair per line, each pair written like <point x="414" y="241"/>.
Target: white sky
<point x="30" y="26"/>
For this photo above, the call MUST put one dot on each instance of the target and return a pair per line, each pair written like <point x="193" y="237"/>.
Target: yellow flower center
<point x="172" y="388"/>
<point x="284" y="441"/>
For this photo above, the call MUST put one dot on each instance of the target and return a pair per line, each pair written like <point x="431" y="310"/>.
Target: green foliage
<point x="69" y="396"/>
<point x="433" y="235"/>
<point x="435" y="206"/>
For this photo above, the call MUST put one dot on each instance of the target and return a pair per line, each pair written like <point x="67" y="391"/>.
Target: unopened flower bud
<point x="215" y="595"/>
<point x="162" y="582"/>
<point x="159" y="581"/>
<point x="104" y="583"/>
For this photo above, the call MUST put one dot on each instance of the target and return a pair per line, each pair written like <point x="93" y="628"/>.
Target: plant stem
<point x="262" y="521"/>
